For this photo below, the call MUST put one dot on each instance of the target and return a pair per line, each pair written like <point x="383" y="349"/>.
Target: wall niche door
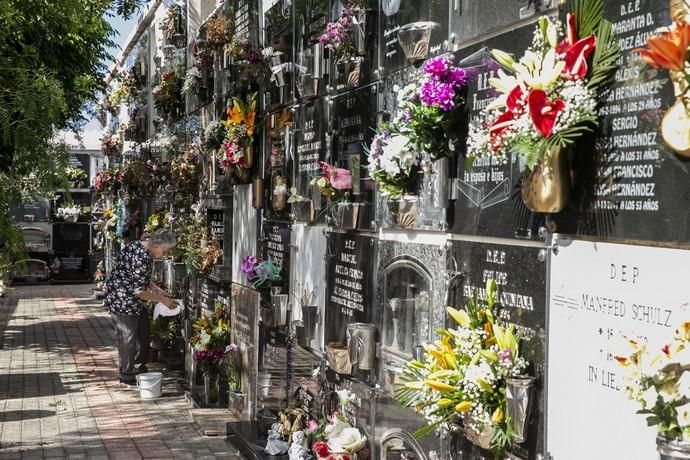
<point x="406" y="312"/>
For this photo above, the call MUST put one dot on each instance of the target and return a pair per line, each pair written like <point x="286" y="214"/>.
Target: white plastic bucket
<point x="149" y="384"/>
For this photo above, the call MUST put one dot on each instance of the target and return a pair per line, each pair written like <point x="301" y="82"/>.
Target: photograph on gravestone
<point x="278" y="28"/>
<point x="353" y="118"/>
<point x="488" y="201"/>
<point x="311" y="120"/>
<point x="630" y="185"/>
<point x="354" y="61"/>
<point x="471" y="20"/>
<point x="311" y="74"/>
<point x="520" y="276"/>
<point x="349" y="283"/>
<point x="411" y="31"/>
<point x="276" y="248"/>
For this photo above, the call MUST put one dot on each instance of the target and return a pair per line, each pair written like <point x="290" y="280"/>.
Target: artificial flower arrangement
<point x="157" y="220"/>
<point x="548" y="99"/>
<point x="76" y="176"/>
<point x="70" y="212"/>
<point x="232" y="365"/>
<point x="214" y="134"/>
<point x="167" y="94"/>
<point x="211" y="332"/>
<point x="338" y="439"/>
<point x="338" y="36"/>
<point x="463" y="375"/>
<point x="261" y="274"/>
<point x="172" y="23"/>
<point x="425" y="127"/>
<point x="659" y="381"/>
<point x="669" y="50"/>
<point x="218" y="33"/>
<point x="333" y="183"/>
<point x="236" y="154"/>
<point x="393" y="162"/>
<point x="192" y="81"/>
<point x="430" y="109"/>
<point x="184" y="173"/>
<point x="111" y="144"/>
<point x="99" y="277"/>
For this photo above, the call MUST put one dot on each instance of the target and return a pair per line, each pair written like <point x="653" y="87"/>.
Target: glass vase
<point x="211" y="390"/>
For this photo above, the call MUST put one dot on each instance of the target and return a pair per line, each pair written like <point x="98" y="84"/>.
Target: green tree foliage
<point x="53" y="59"/>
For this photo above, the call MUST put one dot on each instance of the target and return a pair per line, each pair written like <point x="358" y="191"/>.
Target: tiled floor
<point x="59" y="395"/>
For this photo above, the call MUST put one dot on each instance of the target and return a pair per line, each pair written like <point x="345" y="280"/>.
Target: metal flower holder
<point x="518" y="403"/>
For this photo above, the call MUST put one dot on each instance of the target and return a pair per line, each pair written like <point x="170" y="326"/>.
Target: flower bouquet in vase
<point x="464" y="374"/>
<point x="69" y="212"/>
<point x="261" y="274"/>
<point x="237" y="152"/>
<point x="660" y="383"/>
<point x="334" y="184"/>
<point x="548" y="100"/>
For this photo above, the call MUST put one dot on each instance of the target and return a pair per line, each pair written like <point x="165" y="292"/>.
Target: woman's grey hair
<point x="163" y="237"/>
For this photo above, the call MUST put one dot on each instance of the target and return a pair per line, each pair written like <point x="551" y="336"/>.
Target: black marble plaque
<point x="81" y="161"/>
<point x="69" y="237"/>
<point x="215" y="222"/>
<point x="350" y="274"/>
<point x="470" y="19"/>
<point x="353" y="116"/>
<point x="209" y="292"/>
<point x="397" y="17"/>
<point x="631" y="186"/>
<point x="488" y="195"/>
<point x="311" y="121"/>
<point x="520" y="275"/>
<point x="71" y="266"/>
<point x="37" y="210"/>
<point x="276" y="247"/>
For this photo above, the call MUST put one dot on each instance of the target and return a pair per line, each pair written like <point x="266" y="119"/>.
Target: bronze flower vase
<point x="249" y="156"/>
<point x="546" y="188"/>
<point x="672" y="449"/>
<point x="675" y="126"/>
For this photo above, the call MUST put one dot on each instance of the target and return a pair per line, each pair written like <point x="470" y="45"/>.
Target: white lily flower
<point x="537" y="73"/>
<point x="552" y="35"/>
<point x="503" y="83"/>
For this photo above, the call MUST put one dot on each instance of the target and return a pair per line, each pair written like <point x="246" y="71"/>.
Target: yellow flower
<point x="460" y="316"/>
<point x="444" y="402"/>
<point x="497" y="416"/>
<point x="414" y="385"/>
<point x="439" y="386"/>
<point x="463" y="407"/>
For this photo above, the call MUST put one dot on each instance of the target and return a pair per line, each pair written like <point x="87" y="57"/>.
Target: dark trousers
<point x="132" y="343"/>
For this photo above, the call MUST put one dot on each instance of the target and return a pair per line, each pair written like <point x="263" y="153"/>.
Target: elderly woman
<point x="127" y="288"/>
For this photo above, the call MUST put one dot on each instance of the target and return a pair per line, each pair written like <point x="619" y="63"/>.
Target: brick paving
<point x="59" y="394"/>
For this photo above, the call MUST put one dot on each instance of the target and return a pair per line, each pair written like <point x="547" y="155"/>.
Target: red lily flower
<point x="667" y="350"/>
<point x="575" y="51"/>
<point x="543" y="113"/>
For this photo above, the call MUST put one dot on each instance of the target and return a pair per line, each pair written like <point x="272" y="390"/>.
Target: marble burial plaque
<point x="244" y="329"/>
<point x="353" y="117"/>
<point x="631" y="185"/>
<point x="69" y="237"/>
<point x="488" y="195"/>
<point x="601" y="295"/>
<point x="520" y="274"/>
<point x="419" y="26"/>
<point x="349" y="283"/>
<point x="276" y="247"/>
<point x="70" y="266"/>
<point x="311" y="120"/>
<point x="81" y="161"/>
<point x="216" y="225"/>
<point x="470" y="19"/>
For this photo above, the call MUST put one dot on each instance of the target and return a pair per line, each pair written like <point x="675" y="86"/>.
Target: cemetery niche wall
<point x="335" y="268"/>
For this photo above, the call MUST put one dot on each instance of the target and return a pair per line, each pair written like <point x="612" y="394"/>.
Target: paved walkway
<point x="59" y="394"/>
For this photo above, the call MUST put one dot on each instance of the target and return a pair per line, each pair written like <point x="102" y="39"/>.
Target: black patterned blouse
<point x="131" y="275"/>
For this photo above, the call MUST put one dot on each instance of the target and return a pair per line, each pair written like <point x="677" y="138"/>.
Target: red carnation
<point x="320" y="448"/>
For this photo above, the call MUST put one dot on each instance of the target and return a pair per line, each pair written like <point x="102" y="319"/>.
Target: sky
<point x="92" y="132"/>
